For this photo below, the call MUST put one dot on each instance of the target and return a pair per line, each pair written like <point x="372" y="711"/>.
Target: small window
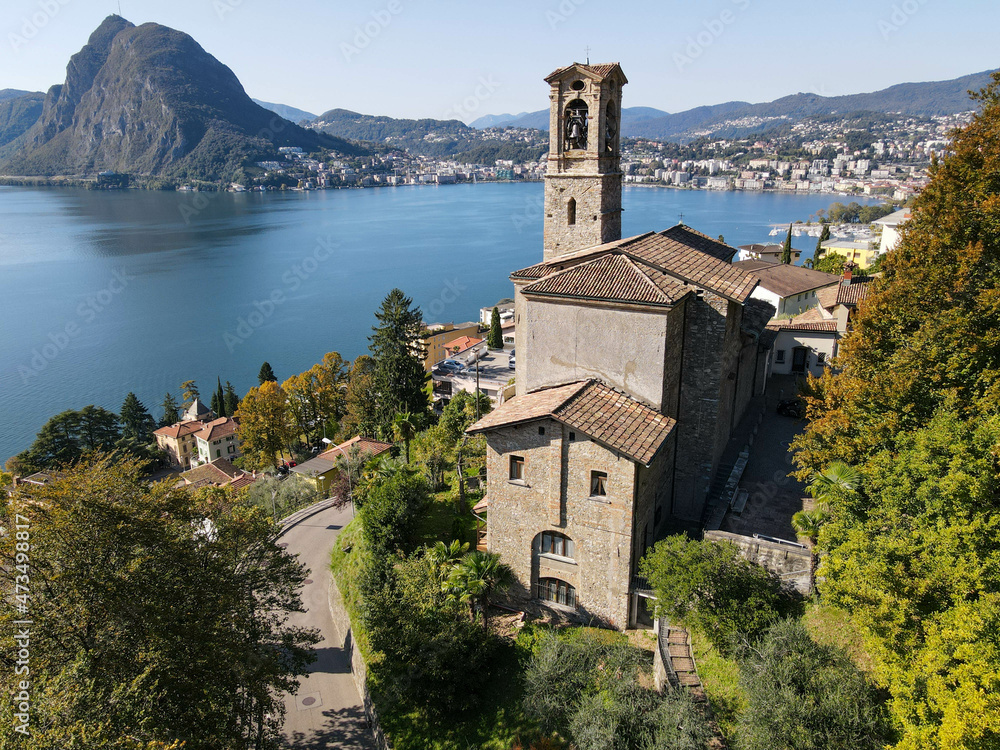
<point x="779" y="356"/>
<point x="516" y="468"/>
<point x="232" y="449"/>
<point x="541" y="430"/>
<point x="572" y="436"/>
<point x="218" y="453"/>
<point x="598" y="483"/>
<point x="556" y="591"/>
<point x="571" y="212"/>
<point x="554" y="543"/>
<point x="820" y="357"/>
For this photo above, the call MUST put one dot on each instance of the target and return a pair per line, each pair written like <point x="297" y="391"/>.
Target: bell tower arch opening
<point x="583" y="181"/>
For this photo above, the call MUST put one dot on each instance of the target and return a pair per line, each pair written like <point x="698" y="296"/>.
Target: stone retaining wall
<point x="792" y="564"/>
<point x="359" y="670"/>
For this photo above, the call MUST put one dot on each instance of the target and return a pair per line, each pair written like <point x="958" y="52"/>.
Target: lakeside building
<point x="636" y="358"/>
<point x="790" y="289"/>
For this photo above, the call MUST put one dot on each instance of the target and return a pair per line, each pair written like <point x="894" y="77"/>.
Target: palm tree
<point x="807" y="523"/>
<point x="404" y="428"/>
<point x="475" y="579"/>
<point x="835" y="483"/>
<point x="444" y="557"/>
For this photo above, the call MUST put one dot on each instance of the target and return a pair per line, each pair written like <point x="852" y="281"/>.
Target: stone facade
<point x="610" y="533"/>
<point x="583" y="184"/>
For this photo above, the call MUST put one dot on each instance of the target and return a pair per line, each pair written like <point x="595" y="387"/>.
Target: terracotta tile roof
<point x="241" y="482"/>
<point x="853" y="293"/>
<point x="462" y="343"/>
<point x="219" y="472"/>
<point x="787" y="280"/>
<point x="604" y="414"/>
<point x="612" y="278"/>
<point x="217" y="428"/>
<point x="689" y="256"/>
<point x="327" y="460"/>
<point x="601" y="70"/>
<point x="794" y="325"/>
<point x="180" y="429"/>
<point x="827" y="297"/>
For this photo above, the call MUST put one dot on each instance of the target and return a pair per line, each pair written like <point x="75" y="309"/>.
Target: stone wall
<point x="359" y="669"/>
<point x="597" y="216"/>
<point x="792" y="564"/>
<point x="553" y="498"/>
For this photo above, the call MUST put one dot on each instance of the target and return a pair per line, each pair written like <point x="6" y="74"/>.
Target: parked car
<point x="451" y="364"/>
<point x="792" y="407"/>
<point x="510" y="359"/>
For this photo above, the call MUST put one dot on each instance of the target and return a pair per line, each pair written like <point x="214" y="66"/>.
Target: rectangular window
<point x="516" y="468"/>
<point x="598" y="483"/>
<point x="779" y="356"/>
<point x="572" y="436"/>
<point x="541" y="430"/>
<point x="232" y="449"/>
<point x="820" y="357"/>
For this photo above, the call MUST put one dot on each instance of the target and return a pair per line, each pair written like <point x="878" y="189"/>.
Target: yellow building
<point x="861" y="253"/>
<point x="437" y="337"/>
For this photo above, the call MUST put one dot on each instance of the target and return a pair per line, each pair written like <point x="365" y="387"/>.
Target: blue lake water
<point x="104" y="293"/>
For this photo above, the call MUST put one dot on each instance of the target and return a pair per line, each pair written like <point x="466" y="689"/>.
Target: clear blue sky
<point x="438" y="58"/>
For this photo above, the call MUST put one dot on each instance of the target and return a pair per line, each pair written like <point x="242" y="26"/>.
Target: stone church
<point x="636" y="359"/>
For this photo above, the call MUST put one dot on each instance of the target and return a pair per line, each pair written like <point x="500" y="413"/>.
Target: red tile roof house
<point x="324" y="468"/>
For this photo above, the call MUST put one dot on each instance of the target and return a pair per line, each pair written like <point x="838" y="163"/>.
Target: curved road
<point x="327" y="711"/>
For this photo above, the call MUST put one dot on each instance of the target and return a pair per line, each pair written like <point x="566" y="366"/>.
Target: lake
<point x="102" y="293"/>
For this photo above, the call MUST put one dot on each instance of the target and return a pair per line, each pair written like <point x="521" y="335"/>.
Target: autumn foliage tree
<point x="265" y="427"/>
<point x="913" y="552"/>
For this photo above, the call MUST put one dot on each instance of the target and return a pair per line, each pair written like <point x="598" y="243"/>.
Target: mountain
<point x="427" y="137"/>
<point x="289" y="113"/>
<point x="923" y="99"/>
<point x="17" y="115"/>
<point x="148" y="100"/>
<point x="495" y="121"/>
<point x="6" y="94"/>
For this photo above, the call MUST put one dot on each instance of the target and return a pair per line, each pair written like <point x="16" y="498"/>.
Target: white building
<point x="890" y="229"/>
<point x="790" y="289"/>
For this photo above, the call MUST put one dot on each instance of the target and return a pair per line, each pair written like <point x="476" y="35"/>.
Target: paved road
<point x="327" y="710"/>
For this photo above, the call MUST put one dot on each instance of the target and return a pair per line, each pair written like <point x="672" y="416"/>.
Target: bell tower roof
<point x="598" y="72"/>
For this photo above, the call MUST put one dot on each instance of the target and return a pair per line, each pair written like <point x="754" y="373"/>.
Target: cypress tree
<point x="786" y="249"/>
<point x="495" y="338"/>
<point x="823" y="237"/>
<point x="231" y="399"/>
<point x="220" y="397"/>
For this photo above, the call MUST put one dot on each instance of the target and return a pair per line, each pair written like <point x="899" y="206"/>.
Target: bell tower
<point x="583" y="182"/>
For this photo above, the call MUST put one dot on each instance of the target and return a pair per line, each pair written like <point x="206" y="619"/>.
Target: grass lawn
<point x="830" y="626"/>
<point x="720" y="676"/>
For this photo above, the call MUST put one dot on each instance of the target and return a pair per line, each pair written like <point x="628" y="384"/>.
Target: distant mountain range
<point x="289" y="113"/>
<point x="925" y="99"/>
<point x="149" y="101"/>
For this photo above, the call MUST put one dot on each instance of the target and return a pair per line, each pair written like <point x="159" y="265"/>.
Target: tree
<point x="219" y="398"/>
<point x="803" y="696"/>
<point x="495" y="338"/>
<point x="390" y="510"/>
<point x="160" y="615"/>
<point x="823" y="237"/>
<point x="396" y="346"/>
<point x="460" y="413"/>
<point x="403" y="428"/>
<point x="476" y="579"/>
<point x="266" y="374"/>
<point x="786" y="247"/>
<point x="360" y="400"/>
<point x="265" y="428"/>
<point x="189" y="392"/>
<point x="137" y="424"/>
<point x="171" y="414"/>
<point x="232" y="401"/>
<point x="911" y="553"/>
<point x="316" y="397"/>
<point x="709" y="586"/>
<point x="66" y="437"/>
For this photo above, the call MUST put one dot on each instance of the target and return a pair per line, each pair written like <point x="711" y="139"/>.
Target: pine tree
<point x="399" y="376"/>
<point x="231" y="399"/>
<point x="189" y="392"/>
<point x="216" y="406"/>
<point x="266" y="374"/>
<point x="170" y="412"/>
<point x="137" y="424"/>
<point x="495" y="338"/>
<point x="786" y="248"/>
<point x="220" y="397"/>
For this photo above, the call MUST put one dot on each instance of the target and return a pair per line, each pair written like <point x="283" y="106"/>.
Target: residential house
<point x="218" y="438"/>
<point x="179" y="443"/>
<point x="217" y="473"/>
<point x="324" y="468"/>
<point x="791" y="289"/>
<point x="890" y="229"/>
<point x="769" y="252"/>
<point x="861" y="253"/>
<point x="504" y="306"/>
<point x="438" y="335"/>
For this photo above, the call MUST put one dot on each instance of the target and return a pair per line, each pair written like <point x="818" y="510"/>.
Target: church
<point x="636" y="359"/>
